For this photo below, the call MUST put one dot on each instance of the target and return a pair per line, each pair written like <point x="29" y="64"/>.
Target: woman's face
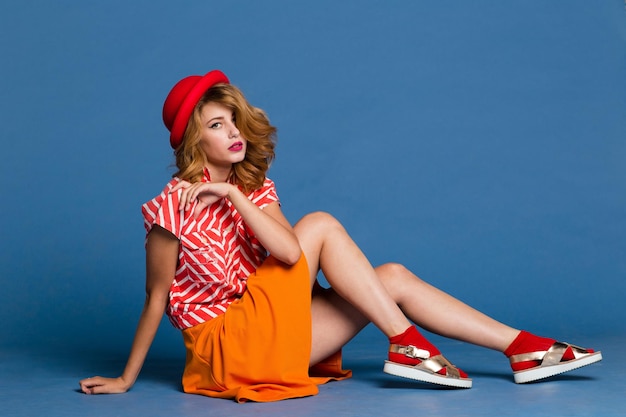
<point x="219" y="137"/>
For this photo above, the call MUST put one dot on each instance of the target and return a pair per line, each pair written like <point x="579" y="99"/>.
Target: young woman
<point x="240" y="283"/>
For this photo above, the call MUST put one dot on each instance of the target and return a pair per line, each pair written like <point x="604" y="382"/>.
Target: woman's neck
<point x="219" y="174"/>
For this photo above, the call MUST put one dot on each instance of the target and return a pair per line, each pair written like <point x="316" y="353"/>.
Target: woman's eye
<point x="215" y="125"/>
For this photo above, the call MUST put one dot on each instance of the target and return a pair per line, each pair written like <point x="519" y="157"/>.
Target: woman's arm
<point x="269" y="225"/>
<point x="161" y="259"/>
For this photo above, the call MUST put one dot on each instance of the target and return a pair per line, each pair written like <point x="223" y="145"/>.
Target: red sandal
<point x="427" y="370"/>
<point x="551" y="362"/>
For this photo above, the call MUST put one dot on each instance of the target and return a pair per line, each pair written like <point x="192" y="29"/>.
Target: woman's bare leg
<point x="357" y="296"/>
<point x="440" y="313"/>
<point x="328" y="247"/>
<point x="384" y="295"/>
<point x="335" y="322"/>
<point x="361" y="294"/>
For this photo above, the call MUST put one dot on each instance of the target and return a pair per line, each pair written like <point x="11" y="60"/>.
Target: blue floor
<point x="45" y="384"/>
<point x="479" y="142"/>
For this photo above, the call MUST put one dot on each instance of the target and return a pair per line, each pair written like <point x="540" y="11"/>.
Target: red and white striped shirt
<point x="217" y="252"/>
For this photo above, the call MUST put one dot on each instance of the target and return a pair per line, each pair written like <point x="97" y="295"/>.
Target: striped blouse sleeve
<point x="265" y="195"/>
<point x="163" y="211"/>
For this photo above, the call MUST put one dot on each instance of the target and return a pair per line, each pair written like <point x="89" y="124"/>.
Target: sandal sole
<point x="534" y="374"/>
<point x="411" y="372"/>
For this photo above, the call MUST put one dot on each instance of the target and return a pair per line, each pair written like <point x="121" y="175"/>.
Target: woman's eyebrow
<point x="215" y="118"/>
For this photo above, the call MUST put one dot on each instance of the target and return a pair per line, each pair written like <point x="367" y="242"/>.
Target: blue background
<point x="481" y="144"/>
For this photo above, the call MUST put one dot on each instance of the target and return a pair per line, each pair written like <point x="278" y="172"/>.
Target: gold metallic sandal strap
<point x="530" y="356"/>
<point x="579" y="352"/>
<point x="552" y="356"/>
<point x="436" y="363"/>
<point x="410" y="351"/>
<point x="431" y="364"/>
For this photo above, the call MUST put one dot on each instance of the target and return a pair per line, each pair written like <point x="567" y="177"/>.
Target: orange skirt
<point x="259" y="349"/>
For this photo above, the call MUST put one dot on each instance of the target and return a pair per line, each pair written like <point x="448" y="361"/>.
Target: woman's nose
<point x="234" y="132"/>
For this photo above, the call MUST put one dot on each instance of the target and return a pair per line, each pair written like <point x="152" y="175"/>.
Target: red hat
<point x="182" y="99"/>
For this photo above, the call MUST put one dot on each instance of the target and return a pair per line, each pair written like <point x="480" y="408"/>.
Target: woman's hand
<point x="269" y="224"/>
<point x="100" y="385"/>
<point x="205" y="193"/>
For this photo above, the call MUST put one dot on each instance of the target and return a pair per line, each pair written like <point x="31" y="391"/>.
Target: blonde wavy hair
<point x="254" y="126"/>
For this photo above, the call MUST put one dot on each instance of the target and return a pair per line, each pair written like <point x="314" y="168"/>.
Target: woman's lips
<point x="235" y="147"/>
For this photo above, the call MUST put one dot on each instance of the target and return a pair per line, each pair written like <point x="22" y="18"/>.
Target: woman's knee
<point x="391" y="271"/>
<point x="318" y="221"/>
<point x="396" y="278"/>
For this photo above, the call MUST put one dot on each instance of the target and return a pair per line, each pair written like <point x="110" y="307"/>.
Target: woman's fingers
<point x="189" y="193"/>
<point x="100" y="385"/>
<point x="182" y="184"/>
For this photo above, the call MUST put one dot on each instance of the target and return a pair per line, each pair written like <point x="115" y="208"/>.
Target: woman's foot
<point x="533" y="357"/>
<point x="412" y="356"/>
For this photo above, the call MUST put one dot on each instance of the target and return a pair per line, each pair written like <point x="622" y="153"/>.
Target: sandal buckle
<point x="416" y="353"/>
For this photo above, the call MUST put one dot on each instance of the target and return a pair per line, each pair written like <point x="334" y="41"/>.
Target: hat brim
<point x="189" y="103"/>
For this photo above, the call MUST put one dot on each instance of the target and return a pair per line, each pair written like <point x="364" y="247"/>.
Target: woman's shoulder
<point x="266" y="194"/>
<point x="268" y="183"/>
<point x="171" y="183"/>
<point x="164" y="196"/>
<point x="168" y="186"/>
<point x="163" y="209"/>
